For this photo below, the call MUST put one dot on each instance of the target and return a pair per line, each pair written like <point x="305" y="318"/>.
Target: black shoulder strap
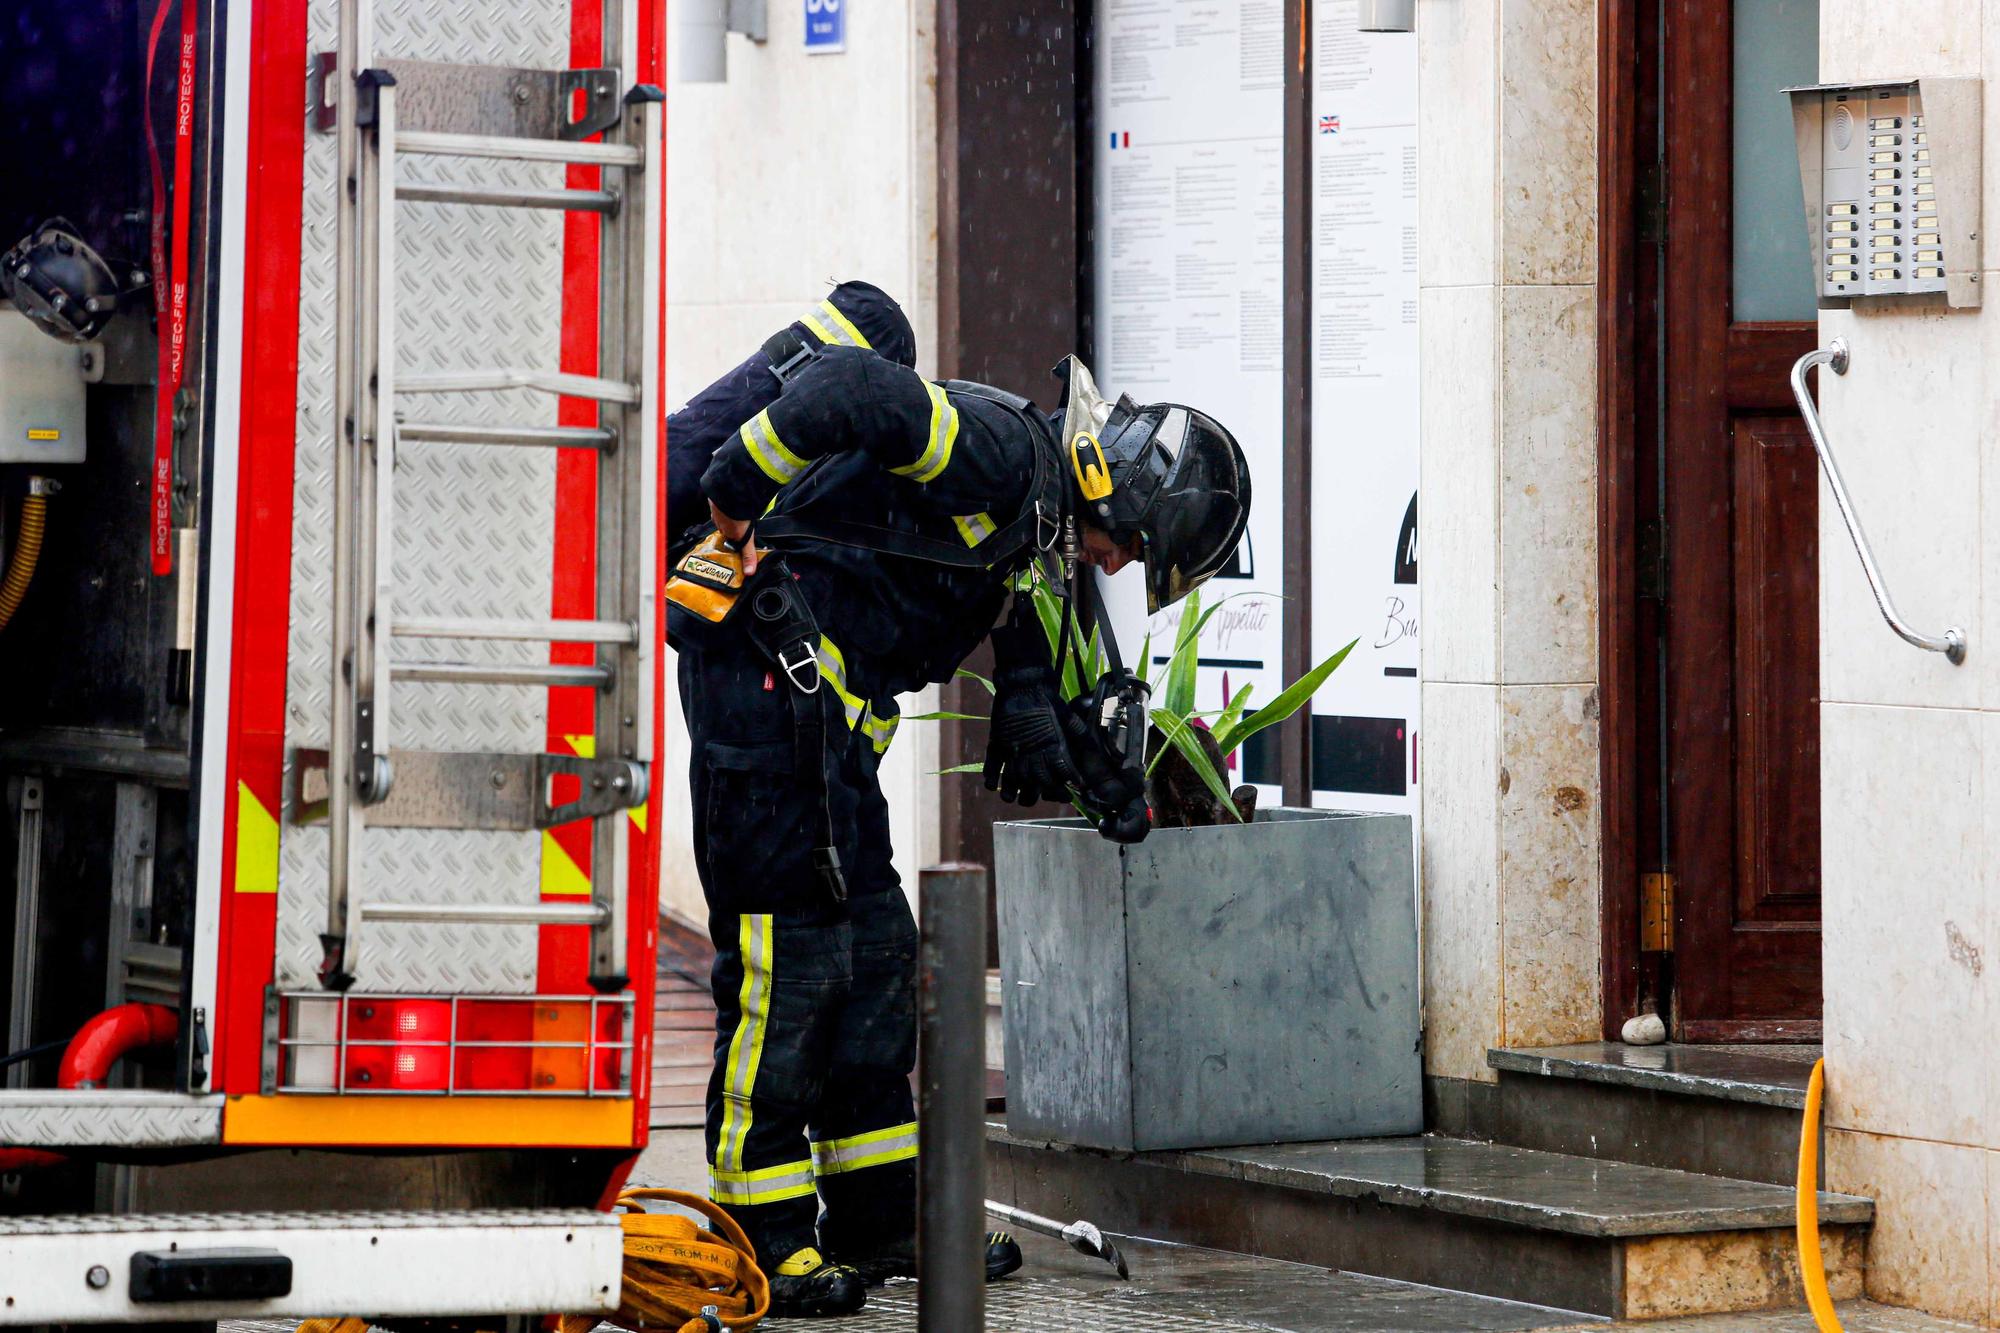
<point x="1036" y="527"/>
<point x="789" y="352"/>
<point x="974" y="389"/>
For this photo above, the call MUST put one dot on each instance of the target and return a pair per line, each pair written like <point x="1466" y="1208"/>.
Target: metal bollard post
<point x="951" y="1100"/>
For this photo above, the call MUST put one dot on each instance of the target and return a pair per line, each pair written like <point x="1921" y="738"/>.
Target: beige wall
<point x="1911" y="744"/>
<point x="1910" y="766"/>
<point x="800" y="171"/>
<point x="1507" y="315"/>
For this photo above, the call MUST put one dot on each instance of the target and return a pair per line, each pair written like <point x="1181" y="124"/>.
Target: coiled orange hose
<point x="27" y="550"/>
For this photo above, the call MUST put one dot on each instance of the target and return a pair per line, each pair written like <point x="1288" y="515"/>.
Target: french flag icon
<point x="1121" y="140"/>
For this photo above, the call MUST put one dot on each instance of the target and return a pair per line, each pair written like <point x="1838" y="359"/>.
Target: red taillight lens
<point x="414" y="1055"/>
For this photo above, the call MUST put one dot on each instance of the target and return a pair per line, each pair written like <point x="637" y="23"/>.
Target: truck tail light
<point x="536" y="1045"/>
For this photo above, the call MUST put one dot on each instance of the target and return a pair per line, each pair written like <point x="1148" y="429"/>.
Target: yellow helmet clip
<point x="1093" y="474"/>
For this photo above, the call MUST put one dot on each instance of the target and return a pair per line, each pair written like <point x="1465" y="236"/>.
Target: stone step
<point x="1721" y="1111"/>
<point x="1598" y="1237"/>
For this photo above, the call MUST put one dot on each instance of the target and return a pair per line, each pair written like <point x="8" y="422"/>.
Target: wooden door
<point x="1739" y="620"/>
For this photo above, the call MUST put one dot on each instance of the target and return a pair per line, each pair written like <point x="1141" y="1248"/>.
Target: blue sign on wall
<point x="826" y="27"/>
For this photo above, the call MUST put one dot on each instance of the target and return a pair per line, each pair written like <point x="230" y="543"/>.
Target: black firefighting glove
<point x="1110" y="789"/>
<point x="1027" y="761"/>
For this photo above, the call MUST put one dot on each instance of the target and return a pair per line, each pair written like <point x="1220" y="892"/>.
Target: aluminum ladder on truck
<point x="582" y="117"/>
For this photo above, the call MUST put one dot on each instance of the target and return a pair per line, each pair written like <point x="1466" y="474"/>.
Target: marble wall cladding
<point x="1548" y="485"/>
<point x="1989" y="63"/>
<point x="1987" y="430"/>
<point x="1548" y="141"/>
<point x="1507" y="209"/>
<point x="1905" y="424"/>
<point x="1457" y="359"/>
<point x="1460" y="840"/>
<point x="1457" y="89"/>
<point x="1908" y="922"/>
<point x="1993" y="1238"/>
<point x="1910" y="745"/>
<point x="1875" y="39"/>
<point x="740" y="148"/>
<point x="709" y="339"/>
<point x="1549" y="804"/>
<point x="680" y="885"/>
<point x="1932" y="1242"/>
<point x="1981" y="956"/>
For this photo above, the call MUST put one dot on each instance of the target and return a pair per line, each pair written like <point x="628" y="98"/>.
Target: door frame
<point x="1633" y="335"/>
<point x="1627" y="30"/>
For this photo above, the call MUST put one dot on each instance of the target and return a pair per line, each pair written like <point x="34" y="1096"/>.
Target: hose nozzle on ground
<point x="1087" y="1239"/>
<point x="1081" y="1236"/>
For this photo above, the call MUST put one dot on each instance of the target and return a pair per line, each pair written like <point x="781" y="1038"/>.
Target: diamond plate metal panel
<point x="109" y="1118"/>
<point x="473" y="527"/>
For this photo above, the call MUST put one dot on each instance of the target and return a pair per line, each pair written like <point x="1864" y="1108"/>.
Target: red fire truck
<point x="331" y="518"/>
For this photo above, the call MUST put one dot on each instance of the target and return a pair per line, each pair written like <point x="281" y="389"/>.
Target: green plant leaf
<point x="1289" y="702"/>
<point x="1178" y="697"/>
<point x="945" y="715"/>
<point x="1146" y="659"/>
<point x="1187" y="648"/>
<point x="1233" y="714"/>
<point x="962" y="768"/>
<point x="974" y="675"/>
<point x="1181" y="736"/>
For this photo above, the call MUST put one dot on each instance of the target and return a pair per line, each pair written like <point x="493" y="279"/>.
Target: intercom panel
<point x="1891" y="179"/>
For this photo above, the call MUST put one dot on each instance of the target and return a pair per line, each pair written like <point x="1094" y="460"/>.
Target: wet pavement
<point x="1176" y="1288"/>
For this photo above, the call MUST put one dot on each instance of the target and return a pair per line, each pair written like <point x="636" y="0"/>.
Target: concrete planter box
<point x="1213" y="986"/>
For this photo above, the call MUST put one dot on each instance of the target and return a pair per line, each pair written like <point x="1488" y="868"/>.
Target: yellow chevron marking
<point x="256" y="844"/>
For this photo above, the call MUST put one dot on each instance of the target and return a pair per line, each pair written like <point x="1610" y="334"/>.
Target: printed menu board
<point x="1364" y="410"/>
<point x="1189" y="305"/>
<point x="1190" y="284"/>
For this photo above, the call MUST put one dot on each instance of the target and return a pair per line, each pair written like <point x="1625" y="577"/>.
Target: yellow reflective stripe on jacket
<point x="859" y="712"/>
<point x="898" y="1143"/>
<point x="830" y="326"/>
<point x="833" y="670"/>
<point x="944" y="433"/>
<point x="974" y="528"/>
<point x="767" y="451"/>
<point x="880" y="730"/>
<point x="746" y="1048"/>
<point x="771" y="1184"/>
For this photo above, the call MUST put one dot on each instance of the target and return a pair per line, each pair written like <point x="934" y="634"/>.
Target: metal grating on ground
<point x="1019" y="1305"/>
<point x="1027" y="1305"/>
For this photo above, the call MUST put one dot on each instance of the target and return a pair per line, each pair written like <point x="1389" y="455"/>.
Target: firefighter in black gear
<point x="855" y="314"/>
<point x="882" y="520"/>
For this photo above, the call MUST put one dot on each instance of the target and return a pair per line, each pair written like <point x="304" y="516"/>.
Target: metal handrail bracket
<point x="1835" y="358"/>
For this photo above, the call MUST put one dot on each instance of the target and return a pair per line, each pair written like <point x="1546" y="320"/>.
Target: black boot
<point x="806" y="1286"/>
<point x="1003" y="1256"/>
